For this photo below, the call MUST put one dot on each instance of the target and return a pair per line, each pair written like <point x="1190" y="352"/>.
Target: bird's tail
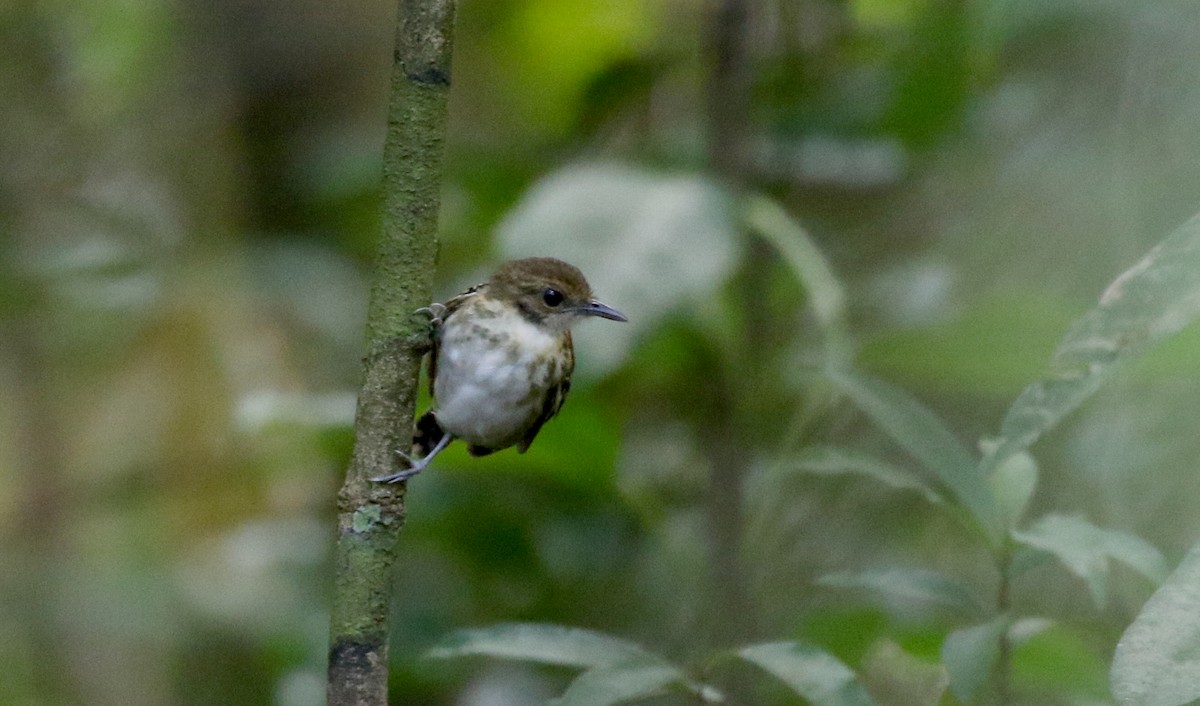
<point x="426" y="435"/>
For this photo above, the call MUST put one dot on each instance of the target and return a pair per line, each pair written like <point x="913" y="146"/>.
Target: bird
<point x="501" y="359"/>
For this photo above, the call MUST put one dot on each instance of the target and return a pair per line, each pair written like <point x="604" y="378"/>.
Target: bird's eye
<point x="552" y="297"/>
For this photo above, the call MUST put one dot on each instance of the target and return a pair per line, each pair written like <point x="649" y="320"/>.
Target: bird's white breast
<point x="492" y="374"/>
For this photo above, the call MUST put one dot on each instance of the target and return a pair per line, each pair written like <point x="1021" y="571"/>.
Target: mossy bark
<point x="371" y="515"/>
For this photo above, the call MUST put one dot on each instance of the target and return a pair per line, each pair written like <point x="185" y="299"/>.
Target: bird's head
<point x="549" y="292"/>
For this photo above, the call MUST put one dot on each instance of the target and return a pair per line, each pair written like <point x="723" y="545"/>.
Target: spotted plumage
<point x="502" y="359"/>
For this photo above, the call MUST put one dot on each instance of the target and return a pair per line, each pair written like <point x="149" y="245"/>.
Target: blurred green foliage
<point x="188" y="206"/>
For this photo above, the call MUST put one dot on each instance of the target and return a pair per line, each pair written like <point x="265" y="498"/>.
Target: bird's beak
<point x="604" y="311"/>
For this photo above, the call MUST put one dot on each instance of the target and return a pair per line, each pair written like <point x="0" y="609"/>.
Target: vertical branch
<point x="370" y="515"/>
<point x="728" y="93"/>
<point x="728" y="90"/>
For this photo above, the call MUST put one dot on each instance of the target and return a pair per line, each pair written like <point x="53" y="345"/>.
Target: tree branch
<point x="370" y="515"/>
<point x="728" y="137"/>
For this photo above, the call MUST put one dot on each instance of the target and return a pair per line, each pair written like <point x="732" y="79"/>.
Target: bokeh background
<point x="188" y="207"/>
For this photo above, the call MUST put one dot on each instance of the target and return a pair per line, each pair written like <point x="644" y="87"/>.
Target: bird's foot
<point x="415" y="466"/>
<point x="436" y="313"/>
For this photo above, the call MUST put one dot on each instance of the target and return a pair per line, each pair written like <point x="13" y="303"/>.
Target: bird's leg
<point x="415" y="466"/>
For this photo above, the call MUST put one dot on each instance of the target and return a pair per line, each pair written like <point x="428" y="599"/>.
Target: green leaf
<point x="1085" y="550"/>
<point x="561" y="48"/>
<point x="1026" y="558"/>
<point x="619" y="683"/>
<point x="546" y="644"/>
<point x="1025" y="629"/>
<point x="1012" y="485"/>
<point x="992" y="348"/>
<point x="811" y="672"/>
<point x="970" y="656"/>
<point x="826" y="296"/>
<point x="910" y="585"/>
<point x="1157" y="662"/>
<point x="1150" y="301"/>
<point x="1049" y="658"/>
<point x="919" y="432"/>
<point x="833" y="461"/>
<point x="884" y="14"/>
<point x="896" y="678"/>
<point x="626" y="227"/>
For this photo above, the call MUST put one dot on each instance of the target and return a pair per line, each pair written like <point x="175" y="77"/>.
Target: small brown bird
<point x="502" y="359"/>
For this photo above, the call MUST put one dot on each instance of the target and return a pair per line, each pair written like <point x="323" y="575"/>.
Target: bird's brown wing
<point x="553" y="401"/>
<point x="452" y="305"/>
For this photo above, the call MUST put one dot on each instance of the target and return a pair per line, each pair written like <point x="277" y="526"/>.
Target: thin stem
<point x="1003" y="605"/>
<point x="727" y="92"/>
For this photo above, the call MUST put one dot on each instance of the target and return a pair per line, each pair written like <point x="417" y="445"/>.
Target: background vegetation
<point x="934" y="191"/>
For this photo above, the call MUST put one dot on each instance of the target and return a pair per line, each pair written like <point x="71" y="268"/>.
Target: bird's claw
<point x="415" y="466"/>
<point x="436" y="313"/>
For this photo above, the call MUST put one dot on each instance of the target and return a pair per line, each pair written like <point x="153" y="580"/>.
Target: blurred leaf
<point x="616" y="684"/>
<point x="919" y="432"/>
<point x="649" y="243"/>
<point x="826" y="295"/>
<point x="896" y="678"/>
<point x="970" y="656"/>
<point x="834" y="460"/>
<point x="1025" y="558"/>
<point x="1054" y="658"/>
<point x="1150" y="301"/>
<point x="1012" y="485"/>
<point x="811" y="672"/>
<point x="883" y="13"/>
<point x="936" y="80"/>
<point x="1025" y="629"/>
<point x="1157" y="662"/>
<point x="847" y="631"/>
<point x="546" y="644"/>
<point x="560" y="48"/>
<point x="1085" y="550"/>
<point x="621" y="86"/>
<point x="912" y="585"/>
<point x="122" y="52"/>
<point x="992" y="348"/>
<point x="1175" y="358"/>
<point x="617" y="670"/>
